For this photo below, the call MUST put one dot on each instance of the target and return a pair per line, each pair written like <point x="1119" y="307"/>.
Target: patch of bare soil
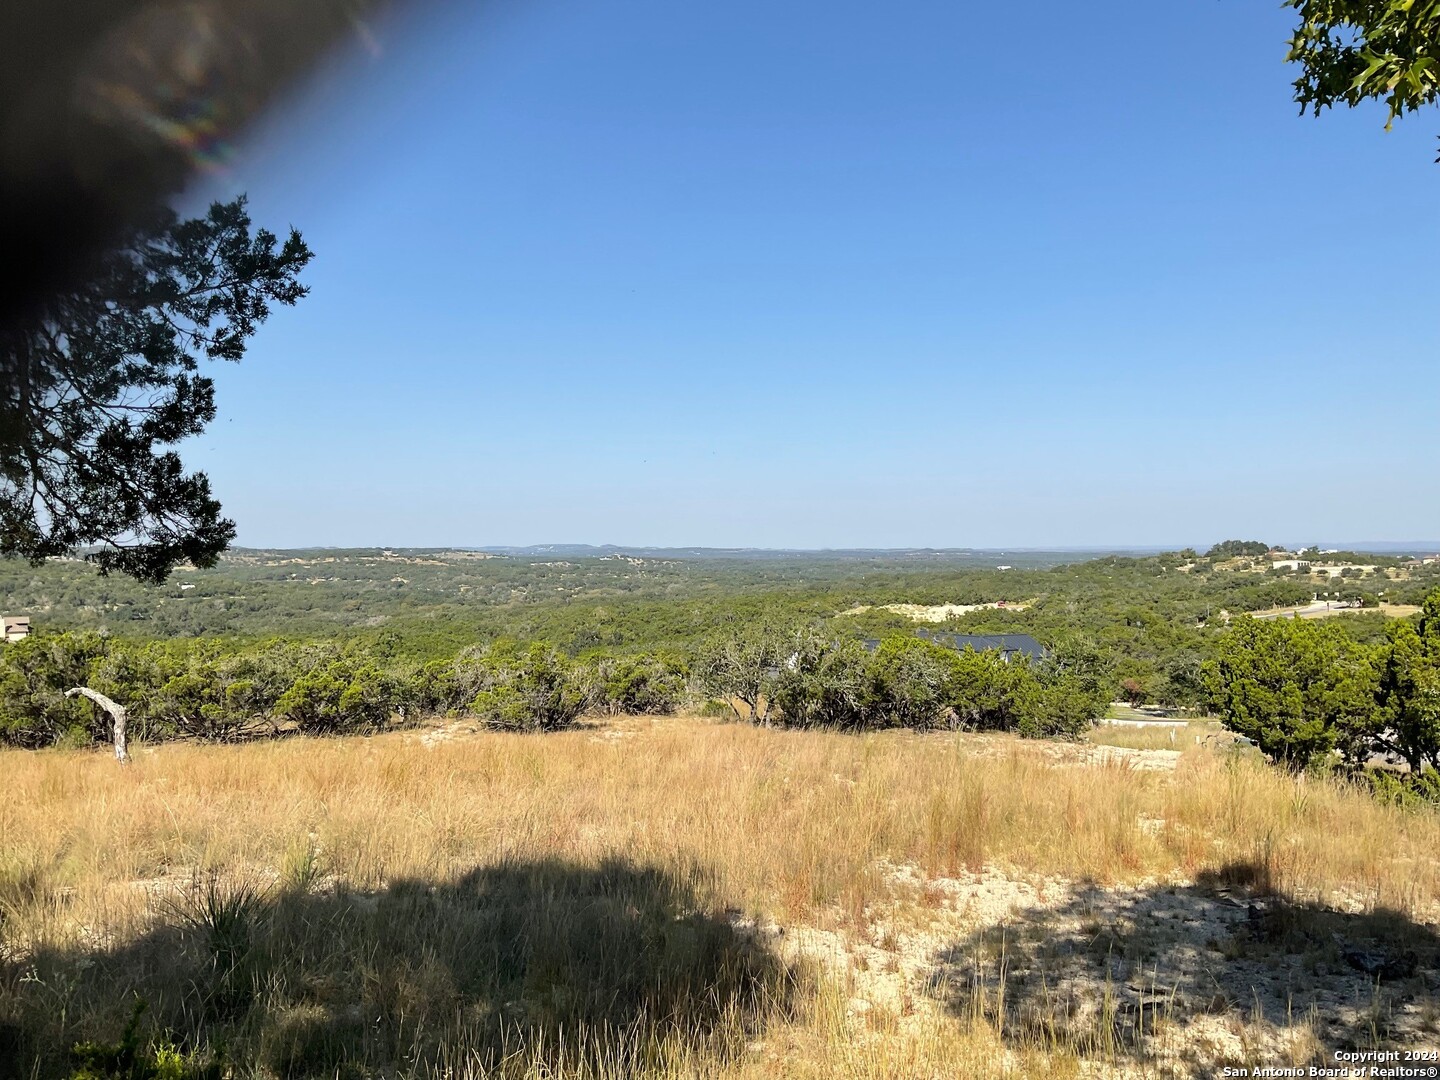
<point x="1063" y="754"/>
<point x="1122" y="756"/>
<point x="444" y="731"/>
<point x="937" y="613"/>
<point x="1170" y="980"/>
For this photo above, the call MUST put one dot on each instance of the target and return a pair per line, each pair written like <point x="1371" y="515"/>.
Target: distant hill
<point x="980" y="556"/>
<point x="1377" y="547"/>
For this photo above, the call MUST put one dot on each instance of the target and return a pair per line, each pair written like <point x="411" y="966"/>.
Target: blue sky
<point x="793" y="274"/>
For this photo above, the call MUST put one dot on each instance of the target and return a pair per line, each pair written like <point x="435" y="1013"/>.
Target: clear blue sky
<point x="802" y="274"/>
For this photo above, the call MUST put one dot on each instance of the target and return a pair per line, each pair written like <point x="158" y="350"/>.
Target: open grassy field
<point x="1179" y="736"/>
<point x="1313" y="611"/>
<point x="681" y="897"/>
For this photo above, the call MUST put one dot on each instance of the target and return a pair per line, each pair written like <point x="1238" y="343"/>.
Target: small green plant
<point x="1411" y="790"/>
<point x="137" y="1058"/>
<point x="301" y="867"/>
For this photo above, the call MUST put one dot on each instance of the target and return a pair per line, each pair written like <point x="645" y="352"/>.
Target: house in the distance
<point x="1010" y="646"/>
<point x="16" y="627"/>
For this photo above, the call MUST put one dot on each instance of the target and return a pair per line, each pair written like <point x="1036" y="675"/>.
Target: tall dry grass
<point x="1179" y="737"/>
<point x="387" y="869"/>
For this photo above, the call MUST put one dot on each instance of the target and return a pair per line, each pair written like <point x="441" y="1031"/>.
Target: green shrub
<point x="1420" y="789"/>
<point x="531" y="689"/>
<point x="743" y="664"/>
<point x="342" y="696"/>
<point x="1406" y="721"/>
<point x="34" y="675"/>
<point x="913" y="682"/>
<point x="1073" y="690"/>
<point x="824" y="682"/>
<point x="989" y="694"/>
<point x="645" y="684"/>
<point x="437" y="689"/>
<point x="199" y="703"/>
<point x="1293" y="688"/>
<point x="1183" y="681"/>
<point x="1062" y="709"/>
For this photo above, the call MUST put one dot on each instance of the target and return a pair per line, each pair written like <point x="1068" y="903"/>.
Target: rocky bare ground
<point x="1171" y="979"/>
<point x="1162" y="978"/>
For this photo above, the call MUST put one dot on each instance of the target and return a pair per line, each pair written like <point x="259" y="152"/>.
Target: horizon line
<point x="1347" y="545"/>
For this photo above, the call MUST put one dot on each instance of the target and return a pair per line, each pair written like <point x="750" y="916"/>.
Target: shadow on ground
<point x="526" y="965"/>
<point x="1119" y="973"/>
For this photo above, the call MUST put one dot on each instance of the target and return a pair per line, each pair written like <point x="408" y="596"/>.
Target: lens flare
<point x="189" y="76"/>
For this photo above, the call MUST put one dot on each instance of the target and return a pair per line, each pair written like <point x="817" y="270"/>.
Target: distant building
<point x="16" y="627"/>
<point x="1009" y="646"/>
<point x="1290" y="564"/>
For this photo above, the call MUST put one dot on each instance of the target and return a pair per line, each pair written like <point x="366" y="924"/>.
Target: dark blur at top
<point x="109" y="107"/>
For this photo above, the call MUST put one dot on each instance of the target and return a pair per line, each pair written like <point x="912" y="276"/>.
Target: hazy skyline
<point x="1376" y="547"/>
<point x="802" y="276"/>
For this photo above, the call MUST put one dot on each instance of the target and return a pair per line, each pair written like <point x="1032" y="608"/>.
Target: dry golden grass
<point x="1390" y="611"/>
<point x="374" y="860"/>
<point x="1399" y="611"/>
<point x="1179" y="737"/>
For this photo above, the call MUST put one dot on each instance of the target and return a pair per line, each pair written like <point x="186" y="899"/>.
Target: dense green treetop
<point x="1352" y="51"/>
<point x="101" y="381"/>
<point x="1229" y="549"/>
<point x="1407" y="721"/>
<point x="1313" y="694"/>
<point x="1293" y="687"/>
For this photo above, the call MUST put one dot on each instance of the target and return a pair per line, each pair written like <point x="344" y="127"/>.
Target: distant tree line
<point x="222" y="692"/>
<point x="803" y="677"/>
<point x="355" y="649"/>
<point x="1158" y="618"/>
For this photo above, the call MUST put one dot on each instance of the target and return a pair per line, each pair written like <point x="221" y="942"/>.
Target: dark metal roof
<point x="1009" y="644"/>
<point x="1023" y="644"/>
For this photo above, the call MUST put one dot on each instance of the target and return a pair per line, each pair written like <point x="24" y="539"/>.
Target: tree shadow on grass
<point x="615" y="968"/>
<point x="1173" y="974"/>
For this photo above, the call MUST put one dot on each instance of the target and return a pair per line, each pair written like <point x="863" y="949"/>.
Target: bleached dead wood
<point x="117" y="717"/>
